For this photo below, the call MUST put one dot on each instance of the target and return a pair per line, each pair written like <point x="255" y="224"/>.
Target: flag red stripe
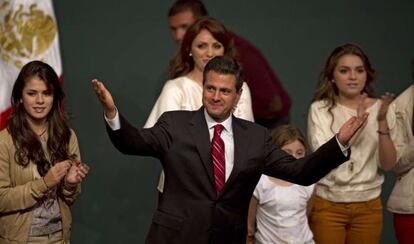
<point x="3" y="118"/>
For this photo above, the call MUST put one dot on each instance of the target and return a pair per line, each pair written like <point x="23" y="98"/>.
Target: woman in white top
<point x="203" y="40"/>
<point x="277" y="212"/>
<point x="401" y="200"/>
<point x="347" y="207"/>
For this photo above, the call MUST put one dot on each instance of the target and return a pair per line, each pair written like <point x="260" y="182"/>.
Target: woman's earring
<point x="190" y="54"/>
<point x="333" y="81"/>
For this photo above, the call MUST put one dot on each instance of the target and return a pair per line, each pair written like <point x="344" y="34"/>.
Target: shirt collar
<point x="226" y="123"/>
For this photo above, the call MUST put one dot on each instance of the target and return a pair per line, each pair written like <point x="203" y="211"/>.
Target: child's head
<point x="290" y="139"/>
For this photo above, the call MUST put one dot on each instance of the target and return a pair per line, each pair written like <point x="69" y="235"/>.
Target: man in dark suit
<point x="192" y="208"/>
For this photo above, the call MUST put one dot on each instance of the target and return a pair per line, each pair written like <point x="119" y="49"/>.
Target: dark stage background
<point x="127" y="45"/>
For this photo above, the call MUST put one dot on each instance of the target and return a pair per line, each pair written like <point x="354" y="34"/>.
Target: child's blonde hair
<point x="286" y="134"/>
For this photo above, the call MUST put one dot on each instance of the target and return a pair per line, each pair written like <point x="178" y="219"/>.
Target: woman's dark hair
<point x="182" y="62"/>
<point x="26" y="141"/>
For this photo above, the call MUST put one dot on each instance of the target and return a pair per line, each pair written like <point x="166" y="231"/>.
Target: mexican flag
<point x="28" y="31"/>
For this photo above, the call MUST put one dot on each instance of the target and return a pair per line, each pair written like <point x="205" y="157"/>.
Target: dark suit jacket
<point x="189" y="210"/>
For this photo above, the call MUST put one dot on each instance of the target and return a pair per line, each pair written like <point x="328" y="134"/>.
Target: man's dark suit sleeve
<point x="307" y="170"/>
<point x="139" y="141"/>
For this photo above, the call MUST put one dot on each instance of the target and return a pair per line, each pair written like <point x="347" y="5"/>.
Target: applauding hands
<point x="73" y="172"/>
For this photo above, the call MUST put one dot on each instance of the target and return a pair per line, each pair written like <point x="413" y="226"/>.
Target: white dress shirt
<point x="227" y="136"/>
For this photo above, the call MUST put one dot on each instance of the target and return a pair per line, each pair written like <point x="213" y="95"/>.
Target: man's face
<point x="220" y="96"/>
<point x="179" y="24"/>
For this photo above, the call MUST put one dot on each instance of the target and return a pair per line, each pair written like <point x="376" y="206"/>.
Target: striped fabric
<point x="219" y="161"/>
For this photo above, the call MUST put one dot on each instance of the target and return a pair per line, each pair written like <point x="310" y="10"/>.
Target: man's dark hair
<point x="225" y="65"/>
<point x="196" y="6"/>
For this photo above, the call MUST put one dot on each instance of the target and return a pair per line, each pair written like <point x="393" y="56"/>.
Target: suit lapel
<point x="199" y="131"/>
<point x="241" y="143"/>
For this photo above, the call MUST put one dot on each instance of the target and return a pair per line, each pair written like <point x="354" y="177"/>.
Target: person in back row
<point x="271" y="103"/>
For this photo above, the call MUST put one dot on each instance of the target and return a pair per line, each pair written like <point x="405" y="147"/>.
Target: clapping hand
<point x="386" y="100"/>
<point x="56" y="173"/>
<point x="362" y="104"/>
<point x="77" y="173"/>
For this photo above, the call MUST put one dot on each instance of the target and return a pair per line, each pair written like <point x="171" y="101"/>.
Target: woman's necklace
<point x="39" y="128"/>
<point x="42" y="133"/>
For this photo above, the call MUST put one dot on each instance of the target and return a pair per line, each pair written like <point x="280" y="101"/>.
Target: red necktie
<point x="219" y="161"/>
